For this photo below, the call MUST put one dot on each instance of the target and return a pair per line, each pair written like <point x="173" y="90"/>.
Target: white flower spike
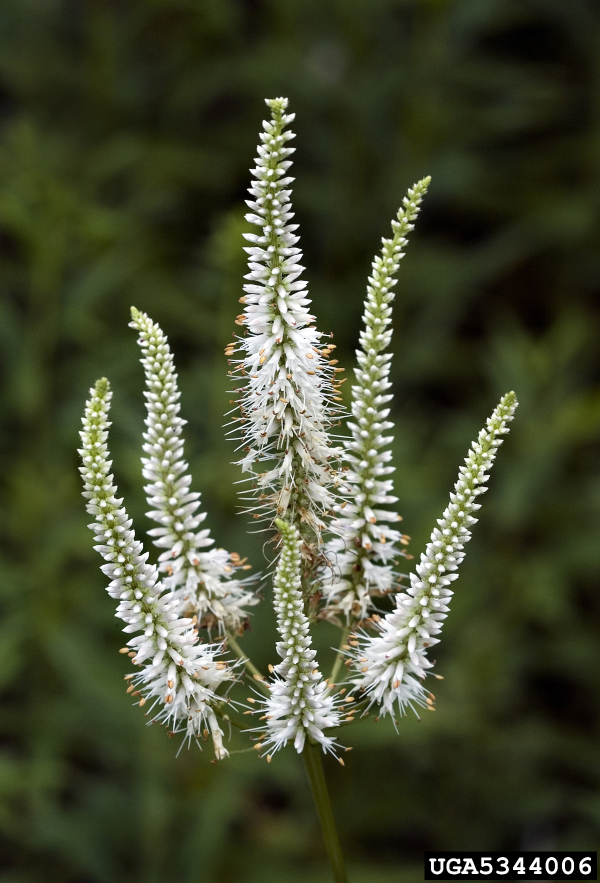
<point x="364" y="549"/>
<point x="178" y="674"/>
<point x="288" y="400"/>
<point x="391" y="665"/>
<point x="300" y="704"/>
<point x="203" y="582"/>
<point x="300" y="483"/>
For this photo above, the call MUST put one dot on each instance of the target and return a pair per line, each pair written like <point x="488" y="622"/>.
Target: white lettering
<point x="536" y="865"/>
<point x="432" y="862"/>
<point x="486" y="865"/>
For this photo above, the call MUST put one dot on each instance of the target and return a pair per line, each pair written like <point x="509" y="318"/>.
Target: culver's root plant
<point x="325" y="499"/>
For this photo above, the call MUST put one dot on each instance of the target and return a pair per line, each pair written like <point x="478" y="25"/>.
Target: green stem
<point x="340" y="656"/>
<point x="314" y="770"/>
<point x="221" y="710"/>
<point x="231" y="641"/>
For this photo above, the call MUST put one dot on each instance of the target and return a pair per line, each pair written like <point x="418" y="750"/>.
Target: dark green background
<point x="127" y="131"/>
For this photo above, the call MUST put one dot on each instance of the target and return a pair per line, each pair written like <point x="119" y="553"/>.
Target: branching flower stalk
<point x="391" y="666"/>
<point x="287" y="400"/>
<point x="202" y="582"/>
<point x="329" y="508"/>
<point x="364" y="548"/>
<point x="177" y="673"/>
<point x="300" y="703"/>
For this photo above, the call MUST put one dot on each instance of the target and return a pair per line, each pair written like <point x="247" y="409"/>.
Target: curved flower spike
<point x="390" y="666"/>
<point x="178" y="674"/>
<point x="202" y="582"/>
<point x="299" y="704"/>
<point x="363" y="552"/>
<point x="288" y="399"/>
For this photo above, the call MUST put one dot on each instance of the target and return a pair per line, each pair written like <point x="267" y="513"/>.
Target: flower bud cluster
<point x="299" y="704"/>
<point x="391" y="665"/>
<point x="202" y="582"/>
<point x="288" y="399"/>
<point x="178" y="674"/>
<point x="364" y="548"/>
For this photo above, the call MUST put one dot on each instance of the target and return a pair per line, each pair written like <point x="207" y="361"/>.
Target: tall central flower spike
<point x="391" y="665"/>
<point x="203" y="582"/>
<point x="365" y="548"/>
<point x="178" y="674"/>
<point x="288" y="400"/>
<point x="300" y="704"/>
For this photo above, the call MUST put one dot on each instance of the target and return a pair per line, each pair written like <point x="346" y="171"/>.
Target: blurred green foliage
<point x="127" y="130"/>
